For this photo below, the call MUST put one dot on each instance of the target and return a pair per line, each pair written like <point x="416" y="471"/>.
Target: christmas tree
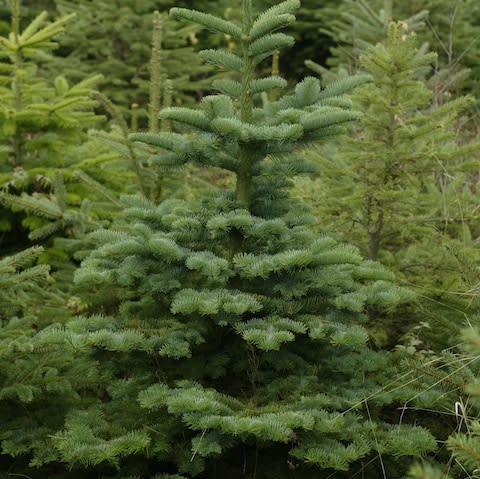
<point x="230" y="331"/>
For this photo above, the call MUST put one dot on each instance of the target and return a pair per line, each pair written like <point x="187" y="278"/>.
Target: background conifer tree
<point x="41" y="124"/>
<point x="152" y="180"/>
<point x="387" y="187"/>
<point x="359" y="25"/>
<point x="233" y="333"/>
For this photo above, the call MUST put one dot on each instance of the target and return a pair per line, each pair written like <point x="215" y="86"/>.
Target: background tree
<point x="42" y="124"/>
<point x="223" y="334"/>
<point x="387" y="187"/>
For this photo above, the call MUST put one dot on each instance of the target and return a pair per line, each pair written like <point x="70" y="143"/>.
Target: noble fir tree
<point x="231" y="333"/>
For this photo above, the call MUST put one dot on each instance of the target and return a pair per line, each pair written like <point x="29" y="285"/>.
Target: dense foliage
<point x="216" y="263"/>
<point x="390" y="186"/>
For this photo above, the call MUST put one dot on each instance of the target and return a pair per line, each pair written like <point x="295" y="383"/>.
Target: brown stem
<point x="374" y="246"/>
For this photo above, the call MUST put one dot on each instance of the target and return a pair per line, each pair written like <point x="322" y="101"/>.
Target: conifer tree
<point x="56" y="180"/>
<point x="151" y="180"/>
<point x="390" y="188"/>
<point x="32" y="109"/>
<point x="41" y="124"/>
<point x="232" y="332"/>
<point x="398" y="145"/>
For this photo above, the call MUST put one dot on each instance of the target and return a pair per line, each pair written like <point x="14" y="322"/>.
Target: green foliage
<point x="427" y="471"/>
<point x="221" y="327"/>
<point x="42" y="125"/>
<point x="383" y="188"/>
<point x="358" y="27"/>
<point x="231" y="329"/>
<point x="42" y="374"/>
<point x="107" y="36"/>
<point x="310" y="40"/>
<point x="38" y="117"/>
<point x="465" y="443"/>
<point x="17" y="277"/>
<point x="449" y="28"/>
